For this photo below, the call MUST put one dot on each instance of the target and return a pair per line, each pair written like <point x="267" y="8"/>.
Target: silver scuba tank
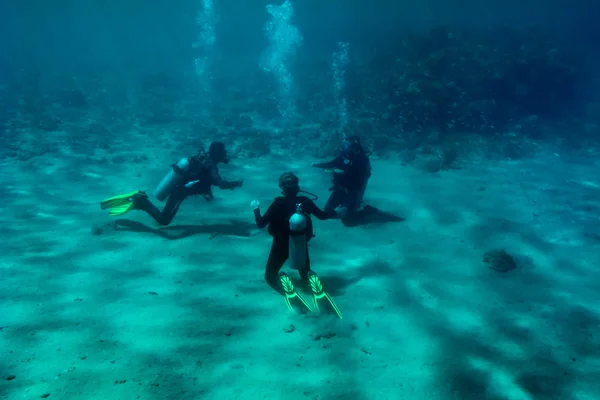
<point x="172" y="179"/>
<point x="298" y="225"/>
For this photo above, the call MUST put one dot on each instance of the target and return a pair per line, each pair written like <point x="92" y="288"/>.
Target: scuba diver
<point x="351" y="173"/>
<point x="189" y="176"/>
<point x="291" y="227"/>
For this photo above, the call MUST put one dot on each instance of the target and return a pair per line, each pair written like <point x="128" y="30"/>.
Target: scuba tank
<point x="172" y="179"/>
<point x="298" y="226"/>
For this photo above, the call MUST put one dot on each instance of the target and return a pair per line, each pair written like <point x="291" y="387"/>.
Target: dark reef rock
<point x="499" y="260"/>
<point x="467" y="81"/>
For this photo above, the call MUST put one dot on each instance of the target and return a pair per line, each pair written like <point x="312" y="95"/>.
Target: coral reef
<point x="423" y="95"/>
<point x="448" y="80"/>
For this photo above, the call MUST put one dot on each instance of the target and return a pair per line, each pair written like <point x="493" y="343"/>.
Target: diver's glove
<point x="255" y="204"/>
<point x="341" y="212"/>
<point x="190" y="184"/>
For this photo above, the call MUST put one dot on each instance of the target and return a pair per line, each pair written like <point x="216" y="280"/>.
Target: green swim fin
<point x="122" y="204"/>
<point x="319" y="293"/>
<point x="291" y="296"/>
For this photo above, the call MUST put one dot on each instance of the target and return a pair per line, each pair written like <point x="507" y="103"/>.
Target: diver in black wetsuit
<point x="352" y="170"/>
<point x="277" y="218"/>
<point x="190" y="176"/>
<point x="351" y="173"/>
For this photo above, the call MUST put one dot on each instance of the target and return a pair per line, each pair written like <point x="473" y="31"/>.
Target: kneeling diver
<point x="351" y="173"/>
<point x="194" y="175"/>
<point x="291" y="227"/>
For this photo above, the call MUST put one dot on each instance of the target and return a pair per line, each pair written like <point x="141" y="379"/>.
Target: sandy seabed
<point x="99" y="308"/>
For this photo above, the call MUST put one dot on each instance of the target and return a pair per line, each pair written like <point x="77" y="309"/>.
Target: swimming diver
<point x="195" y="175"/>
<point x="290" y="225"/>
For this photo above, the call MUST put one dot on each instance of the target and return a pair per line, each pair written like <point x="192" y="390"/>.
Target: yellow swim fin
<point x="291" y="296"/>
<point x="319" y="293"/>
<point x="119" y="205"/>
<point x="124" y="209"/>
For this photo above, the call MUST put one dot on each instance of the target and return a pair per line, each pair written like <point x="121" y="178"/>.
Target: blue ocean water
<point x="465" y="269"/>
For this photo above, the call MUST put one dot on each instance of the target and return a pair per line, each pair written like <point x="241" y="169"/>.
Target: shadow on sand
<point x="370" y="215"/>
<point x="233" y="228"/>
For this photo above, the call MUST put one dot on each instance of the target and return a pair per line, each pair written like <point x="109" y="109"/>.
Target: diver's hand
<point x="190" y="184"/>
<point x="313" y="164"/>
<point x="341" y="212"/>
<point x="255" y="204"/>
<point x="238" y="184"/>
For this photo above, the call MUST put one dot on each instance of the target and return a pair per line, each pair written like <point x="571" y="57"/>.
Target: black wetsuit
<point x="348" y="186"/>
<point x="207" y="175"/>
<point x="277" y="217"/>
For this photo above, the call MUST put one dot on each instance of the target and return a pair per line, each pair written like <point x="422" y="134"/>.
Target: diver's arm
<point x="335" y="163"/>
<point x="262" y="221"/>
<point x="230" y="184"/>
<point x="313" y="209"/>
<point x="221" y="183"/>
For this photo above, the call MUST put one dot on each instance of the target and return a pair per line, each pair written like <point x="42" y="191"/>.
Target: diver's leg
<point x="334" y="201"/>
<point x="144" y="204"/>
<point x="361" y="194"/>
<point x="172" y="206"/>
<point x="351" y="203"/>
<point x="165" y="216"/>
<point x="304" y="271"/>
<point x="277" y="257"/>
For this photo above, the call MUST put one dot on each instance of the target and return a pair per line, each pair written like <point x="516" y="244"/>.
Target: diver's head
<point x="289" y="184"/>
<point x="351" y="147"/>
<point x="218" y="153"/>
